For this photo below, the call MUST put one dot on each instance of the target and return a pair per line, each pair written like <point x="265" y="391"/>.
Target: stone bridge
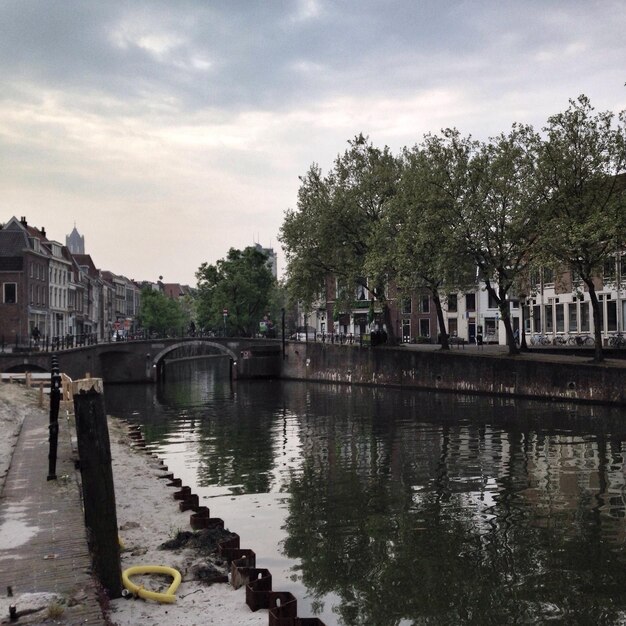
<point x="144" y="360"/>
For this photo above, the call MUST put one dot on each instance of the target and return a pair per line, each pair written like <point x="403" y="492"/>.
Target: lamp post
<point x="225" y="315"/>
<point x="523" y="345"/>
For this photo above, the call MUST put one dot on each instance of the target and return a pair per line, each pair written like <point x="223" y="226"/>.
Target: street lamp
<point x="523" y="345"/>
<point x="225" y="315"/>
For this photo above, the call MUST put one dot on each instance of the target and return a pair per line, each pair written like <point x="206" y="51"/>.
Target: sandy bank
<point x="147" y="515"/>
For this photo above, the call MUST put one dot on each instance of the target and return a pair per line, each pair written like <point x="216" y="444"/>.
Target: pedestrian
<point x="516" y="337"/>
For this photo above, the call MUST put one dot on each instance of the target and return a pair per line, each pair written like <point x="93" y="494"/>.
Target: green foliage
<point x="161" y="314"/>
<point x="339" y="226"/>
<point x="424" y="253"/>
<point x="453" y="208"/>
<point x="242" y="284"/>
<point x="491" y="202"/>
<point x="579" y="164"/>
<point x="585" y="212"/>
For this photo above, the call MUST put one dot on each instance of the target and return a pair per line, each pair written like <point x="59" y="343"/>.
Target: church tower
<point x="75" y="242"/>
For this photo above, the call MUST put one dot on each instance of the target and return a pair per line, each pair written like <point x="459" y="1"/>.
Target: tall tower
<point x="272" y="258"/>
<point x="75" y="242"/>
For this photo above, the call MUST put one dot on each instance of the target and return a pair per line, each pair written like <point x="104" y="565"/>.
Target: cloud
<point x="191" y="121"/>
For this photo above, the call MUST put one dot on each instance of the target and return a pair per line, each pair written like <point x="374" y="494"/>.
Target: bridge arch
<point x="158" y="358"/>
<point x="21" y="368"/>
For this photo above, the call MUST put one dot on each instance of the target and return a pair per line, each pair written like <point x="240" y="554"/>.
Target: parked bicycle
<point x="560" y="340"/>
<point x="539" y="339"/>
<point x="617" y="341"/>
<point x="581" y="340"/>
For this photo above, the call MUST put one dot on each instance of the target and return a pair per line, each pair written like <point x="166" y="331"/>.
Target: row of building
<point x="555" y="306"/>
<point x="51" y="290"/>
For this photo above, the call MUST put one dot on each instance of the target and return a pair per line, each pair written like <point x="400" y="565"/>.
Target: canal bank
<point x="46" y="574"/>
<point x="562" y="377"/>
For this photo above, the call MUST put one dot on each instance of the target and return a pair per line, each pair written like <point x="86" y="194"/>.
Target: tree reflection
<point x="458" y="532"/>
<point x="418" y="508"/>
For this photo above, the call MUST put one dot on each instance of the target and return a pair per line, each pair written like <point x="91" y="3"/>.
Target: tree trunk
<point x="598" y="354"/>
<point x="445" y="344"/>
<point x="500" y="298"/>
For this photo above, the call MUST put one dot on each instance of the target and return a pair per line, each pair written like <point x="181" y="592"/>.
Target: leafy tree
<point x="241" y="284"/>
<point x="580" y="161"/>
<point x="279" y="302"/>
<point x="161" y="314"/>
<point x="339" y="227"/>
<point x="304" y="235"/>
<point x="424" y="254"/>
<point x="491" y="203"/>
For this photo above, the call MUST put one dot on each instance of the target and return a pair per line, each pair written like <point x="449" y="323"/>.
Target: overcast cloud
<point x="171" y="131"/>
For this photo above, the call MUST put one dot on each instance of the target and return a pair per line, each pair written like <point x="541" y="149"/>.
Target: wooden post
<point x="94" y="450"/>
<point x="41" y="394"/>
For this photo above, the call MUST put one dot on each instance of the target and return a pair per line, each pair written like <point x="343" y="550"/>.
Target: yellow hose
<point x="138" y="590"/>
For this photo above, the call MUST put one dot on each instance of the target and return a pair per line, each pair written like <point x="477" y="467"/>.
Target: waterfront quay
<point x="562" y="375"/>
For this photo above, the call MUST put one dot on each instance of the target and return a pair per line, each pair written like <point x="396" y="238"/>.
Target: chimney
<point x="43" y="231"/>
<point x="23" y="221"/>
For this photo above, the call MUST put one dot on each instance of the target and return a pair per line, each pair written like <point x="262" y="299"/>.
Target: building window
<point x="470" y="301"/>
<point x="584" y="317"/>
<point x="453" y="328"/>
<point x="560" y="318"/>
<point x="425" y="306"/>
<point x="424" y="328"/>
<point x="361" y="290"/>
<point x="537" y="319"/>
<point x="609" y="269"/>
<point x="611" y="315"/>
<point x="452" y="303"/>
<point x="406" y="306"/>
<point x="492" y="302"/>
<point x="548" y="318"/>
<point x="572" y="318"/>
<point x="10" y="293"/>
<point x="548" y="275"/>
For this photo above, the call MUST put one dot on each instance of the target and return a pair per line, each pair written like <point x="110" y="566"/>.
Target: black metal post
<point x="282" y="322"/>
<point x="523" y="345"/>
<point x="55" y="402"/>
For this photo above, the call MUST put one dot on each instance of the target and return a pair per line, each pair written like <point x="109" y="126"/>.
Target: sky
<point x="170" y="131"/>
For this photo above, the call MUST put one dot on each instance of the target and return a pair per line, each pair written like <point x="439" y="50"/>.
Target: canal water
<point x="385" y="507"/>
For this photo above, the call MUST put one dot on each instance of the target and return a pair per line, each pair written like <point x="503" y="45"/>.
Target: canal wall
<point x="456" y="371"/>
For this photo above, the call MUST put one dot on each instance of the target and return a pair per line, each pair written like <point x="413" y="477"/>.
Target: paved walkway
<point x="43" y="543"/>
<point x="560" y="355"/>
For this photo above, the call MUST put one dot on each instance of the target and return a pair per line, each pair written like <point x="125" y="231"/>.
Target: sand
<point x="147" y="515"/>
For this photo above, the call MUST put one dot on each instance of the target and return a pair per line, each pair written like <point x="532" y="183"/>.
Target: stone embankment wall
<point x="456" y="371"/>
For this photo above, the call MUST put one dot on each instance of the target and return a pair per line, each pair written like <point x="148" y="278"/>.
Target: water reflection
<point x="380" y="507"/>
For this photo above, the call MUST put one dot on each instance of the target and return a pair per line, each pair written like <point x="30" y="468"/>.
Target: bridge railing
<point x="47" y="343"/>
<point x="56" y="343"/>
<point x="344" y="339"/>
